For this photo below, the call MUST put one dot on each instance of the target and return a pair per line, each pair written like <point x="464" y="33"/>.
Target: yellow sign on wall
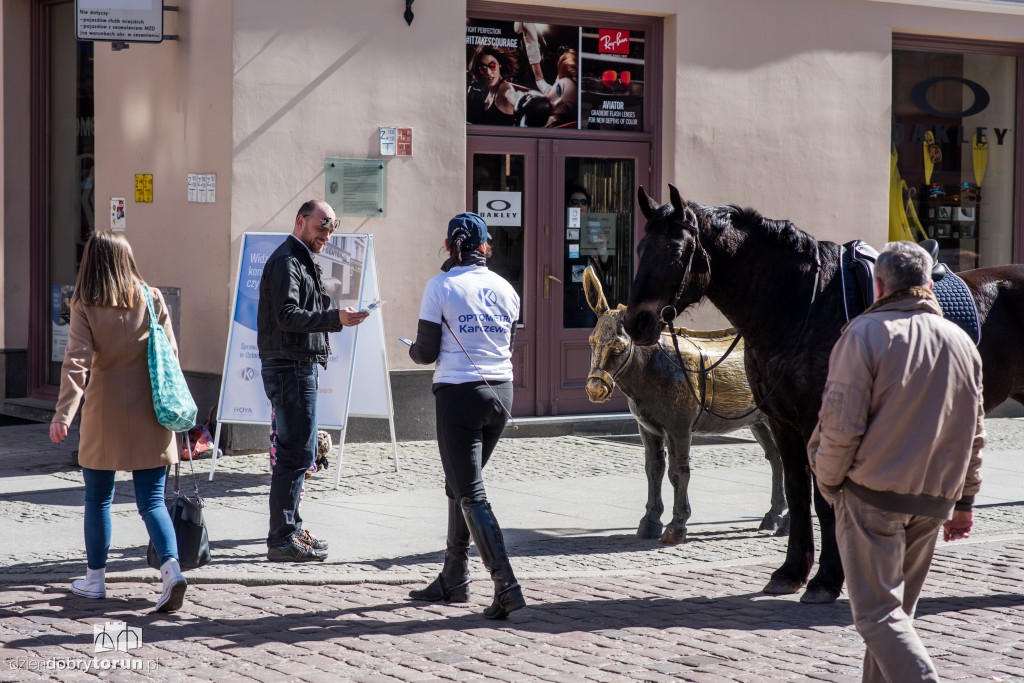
<point x="144" y="188"/>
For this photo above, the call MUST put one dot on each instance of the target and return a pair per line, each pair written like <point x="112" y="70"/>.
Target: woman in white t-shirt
<point x="467" y="324"/>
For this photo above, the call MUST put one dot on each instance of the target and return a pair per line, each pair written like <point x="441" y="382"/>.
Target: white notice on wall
<point x="202" y="188"/>
<point x="388" y="142"/>
<point x="120" y="20"/>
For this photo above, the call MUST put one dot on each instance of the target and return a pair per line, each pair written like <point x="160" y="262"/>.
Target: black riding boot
<point x="508" y="596"/>
<point x="452" y="584"/>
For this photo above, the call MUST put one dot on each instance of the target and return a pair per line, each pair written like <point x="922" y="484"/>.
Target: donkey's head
<point x="609" y="346"/>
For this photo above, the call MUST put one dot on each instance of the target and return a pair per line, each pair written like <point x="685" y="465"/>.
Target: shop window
<point x="954" y="148"/>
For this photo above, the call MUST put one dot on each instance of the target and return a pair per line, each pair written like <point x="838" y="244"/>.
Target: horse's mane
<point x="780" y="232"/>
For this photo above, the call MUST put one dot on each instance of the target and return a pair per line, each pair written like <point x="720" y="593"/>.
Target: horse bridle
<point x="703" y="370"/>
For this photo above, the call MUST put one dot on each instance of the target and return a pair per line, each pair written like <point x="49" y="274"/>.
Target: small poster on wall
<point x="117" y="221"/>
<point x="528" y="74"/>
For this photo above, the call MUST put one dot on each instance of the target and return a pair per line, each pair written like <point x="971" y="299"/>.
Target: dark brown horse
<point x="780" y="288"/>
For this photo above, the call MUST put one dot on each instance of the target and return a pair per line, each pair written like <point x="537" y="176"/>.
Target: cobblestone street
<point x="603" y="605"/>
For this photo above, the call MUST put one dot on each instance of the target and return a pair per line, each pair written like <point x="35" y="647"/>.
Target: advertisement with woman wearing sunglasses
<point x="530" y="74"/>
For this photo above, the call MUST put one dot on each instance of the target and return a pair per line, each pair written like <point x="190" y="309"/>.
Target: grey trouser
<point x="886" y="556"/>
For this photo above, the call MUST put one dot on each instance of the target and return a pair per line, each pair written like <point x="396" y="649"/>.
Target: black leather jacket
<point x="294" y="314"/>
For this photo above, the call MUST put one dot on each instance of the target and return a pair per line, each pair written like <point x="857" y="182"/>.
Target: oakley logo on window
<point x="499" y="205"/>
<point x="919" y="96"/>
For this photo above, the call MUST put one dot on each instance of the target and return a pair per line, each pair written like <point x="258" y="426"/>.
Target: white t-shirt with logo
<point x="481" y="307"/>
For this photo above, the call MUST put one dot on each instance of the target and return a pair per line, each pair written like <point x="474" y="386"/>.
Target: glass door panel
<point x="598" y="232"/>
<point x="594" y="224"/>
<point x="498" y="195"/>
<point x="503" y="190"/>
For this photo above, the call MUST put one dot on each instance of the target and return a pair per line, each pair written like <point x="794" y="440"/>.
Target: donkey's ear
<point x="592" y="288"/>
<point x="677" y="201"/>
<point x="647" y="205"/>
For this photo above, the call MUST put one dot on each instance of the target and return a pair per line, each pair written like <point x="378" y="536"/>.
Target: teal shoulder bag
<point x="172" y="401"/>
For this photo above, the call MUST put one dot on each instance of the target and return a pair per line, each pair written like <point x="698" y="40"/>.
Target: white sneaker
<point x="92" y="586"/>
<point x="174" y="587"/>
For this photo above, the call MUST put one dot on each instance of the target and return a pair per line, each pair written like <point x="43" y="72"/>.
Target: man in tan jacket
<point x="897" y="451"/>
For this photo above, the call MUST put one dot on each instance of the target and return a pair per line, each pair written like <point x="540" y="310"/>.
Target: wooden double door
<point x="554" y="207"/>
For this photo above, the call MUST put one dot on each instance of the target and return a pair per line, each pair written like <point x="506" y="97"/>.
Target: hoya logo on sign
<point x="501" y="208"/>
<point x="488" y="297"/>
<point x="612" y="41"/>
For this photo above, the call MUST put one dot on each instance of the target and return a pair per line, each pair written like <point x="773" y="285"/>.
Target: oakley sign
<point x="501" y="208"/>
<point x="919" y="96"/>
<point x="945" y="133"/>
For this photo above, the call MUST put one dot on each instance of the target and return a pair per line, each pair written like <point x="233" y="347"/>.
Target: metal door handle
<point x="548" y="277"/>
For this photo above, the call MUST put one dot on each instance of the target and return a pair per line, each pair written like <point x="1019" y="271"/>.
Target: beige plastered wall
<point x="165" y="109"/>
<point x="317" y="79"/>
<point x="783" y="106"/>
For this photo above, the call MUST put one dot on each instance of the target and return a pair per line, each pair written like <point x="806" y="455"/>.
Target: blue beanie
<point x="470" y="227"/>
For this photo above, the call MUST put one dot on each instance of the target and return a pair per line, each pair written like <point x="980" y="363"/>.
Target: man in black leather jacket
<point x="293" y="320"/>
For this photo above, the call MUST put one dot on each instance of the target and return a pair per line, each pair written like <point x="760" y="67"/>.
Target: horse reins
<point x="667" y="321"/>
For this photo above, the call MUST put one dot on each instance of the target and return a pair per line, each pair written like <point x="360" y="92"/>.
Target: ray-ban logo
<point x="116" y="635"/>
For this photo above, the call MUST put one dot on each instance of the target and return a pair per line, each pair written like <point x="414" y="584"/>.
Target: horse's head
<point x="673" y="271"/>
<point x="609" y="346"/>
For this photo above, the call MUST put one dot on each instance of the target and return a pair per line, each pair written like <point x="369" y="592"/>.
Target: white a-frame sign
<point x="357" y="355"/>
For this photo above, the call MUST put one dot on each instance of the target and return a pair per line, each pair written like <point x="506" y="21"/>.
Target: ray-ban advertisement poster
<point x="522" y="73"/>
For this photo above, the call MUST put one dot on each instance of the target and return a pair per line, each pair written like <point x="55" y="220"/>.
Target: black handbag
<point x="189" y="525"/>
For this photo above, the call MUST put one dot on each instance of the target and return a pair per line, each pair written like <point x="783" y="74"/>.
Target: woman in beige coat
<point x="108" y="343"/>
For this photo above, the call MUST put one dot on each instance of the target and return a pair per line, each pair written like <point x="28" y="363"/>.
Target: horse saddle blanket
<point x="958" y="304"/>
<point x="857" y="268"/>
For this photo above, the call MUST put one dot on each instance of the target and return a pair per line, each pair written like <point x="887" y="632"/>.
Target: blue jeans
<point x="292" y="388"/>
<point x="149" y="499"/>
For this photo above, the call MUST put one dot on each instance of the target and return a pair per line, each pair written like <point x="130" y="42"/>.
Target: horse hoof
<point x="673" y="536"/>
<point x="783" y="529"/>
<point x="648" y="529"/>
<point x="769" y="522"/>
<point x="782" y="587"/>
<point x="819" y="596"/>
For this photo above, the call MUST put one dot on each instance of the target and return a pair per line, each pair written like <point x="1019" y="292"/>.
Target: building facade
<point x="853" y="118"/>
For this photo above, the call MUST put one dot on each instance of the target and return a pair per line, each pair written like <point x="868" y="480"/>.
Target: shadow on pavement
<point x="523" y="544"/>
<point x="752" y="611"/>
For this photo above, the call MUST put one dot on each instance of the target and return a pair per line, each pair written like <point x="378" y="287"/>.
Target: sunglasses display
<point x="609" y="77"/>
<point x="484" y="67"/>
